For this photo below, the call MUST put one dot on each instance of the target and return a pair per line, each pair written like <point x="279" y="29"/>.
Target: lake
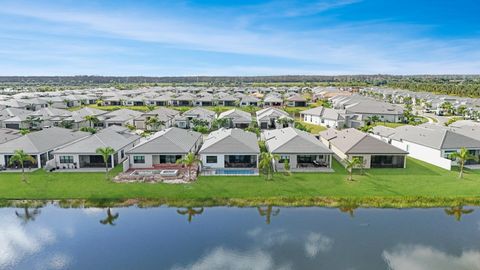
<point x="239" y="238"/>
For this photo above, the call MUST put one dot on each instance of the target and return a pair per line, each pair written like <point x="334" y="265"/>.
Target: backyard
<point x="419" y="184"/>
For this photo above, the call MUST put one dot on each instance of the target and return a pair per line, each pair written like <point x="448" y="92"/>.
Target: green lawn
<point x="419" y="184"/>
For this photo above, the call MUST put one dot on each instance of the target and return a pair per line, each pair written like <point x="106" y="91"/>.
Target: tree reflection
<point x="28" y="215"/>
<point x="457" y="212"/>
<point x="268" y="212"/>
<point x="191" y="212"/>
<point x="110" y="219"/>
<point x="349" y="208"/>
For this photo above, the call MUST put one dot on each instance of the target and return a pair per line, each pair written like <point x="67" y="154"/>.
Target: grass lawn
<point x="314" y="129"/>
<point x="418" y="185"/>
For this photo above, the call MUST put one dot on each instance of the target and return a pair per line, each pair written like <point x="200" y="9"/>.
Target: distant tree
<point x="462" y="157"/>
<point x="92" y="119"/>
<point x="24" y="131"/>
<point x="350" y="164"/>
<point x="286" y="167"/>
<point x="188" y="161"/>
<point x="20" y="157"/>
<point x="150" y="108"/>
<point x="106" y="153"/>
<point x="265" y="164"/>
<point x="88" y="129"/>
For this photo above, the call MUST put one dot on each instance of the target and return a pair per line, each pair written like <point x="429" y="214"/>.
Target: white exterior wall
<point x="2" y="160"/>
<point x="220" y="161"/>
<point x="148" y="161"/>
<point x="423" y="153"/>
<point x="317" y="120"/>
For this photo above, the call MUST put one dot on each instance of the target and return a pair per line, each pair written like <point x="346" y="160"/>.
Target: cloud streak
<point x="339" y="48"/>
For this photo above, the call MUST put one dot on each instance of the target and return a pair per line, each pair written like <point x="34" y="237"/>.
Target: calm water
<point x="238" y="238"/>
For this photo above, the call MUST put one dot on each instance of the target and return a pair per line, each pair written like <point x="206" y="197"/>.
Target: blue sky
<point x="175" y="38"/>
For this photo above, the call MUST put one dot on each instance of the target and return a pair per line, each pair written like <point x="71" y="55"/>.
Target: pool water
<point x="235" y="172"/>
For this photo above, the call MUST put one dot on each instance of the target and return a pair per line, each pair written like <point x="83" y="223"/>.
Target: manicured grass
<point x="419" y="184"/>
<point x="314" y="129"/>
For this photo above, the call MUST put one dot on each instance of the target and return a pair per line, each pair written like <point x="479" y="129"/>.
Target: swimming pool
<point x="235" y="172"/>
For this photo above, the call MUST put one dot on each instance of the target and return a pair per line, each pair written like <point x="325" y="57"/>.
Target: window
<point x="138" y="159"/>
<point x="66" y="159"/>
<point x="122" y="154"/>
<point x="283" y="158"/>
<point x="211" y="159"/>
<point x="170" y="158"/>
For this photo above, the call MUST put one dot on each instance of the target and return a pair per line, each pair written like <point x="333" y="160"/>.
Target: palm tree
<point x="367" y="128"/>
<point x="24" y="131"/>
<point x="19" y="156"/>
<point x="266" y="165"/>
<point x="28" y="215"/>
<point x="33" y="122"/>
<point x="188" y="161"/>
<point x="286" y="166"/>
<point x="109" y="219"/>
<point x="106" y="153"/>
<point x="190" y="211"/>
<point x="150" y="107"/>
<point x="284" y="121"/>
<point x="268" y="213"/>
<point x="462" y="157"/>
<point x="457" y="212"/>
<point x="91" y="119"/>
<point x="350" y="164"/>
<point x="154" y="123"/>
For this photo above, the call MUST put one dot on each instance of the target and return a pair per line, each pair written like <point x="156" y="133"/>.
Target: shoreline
<point x="327" y="202"/>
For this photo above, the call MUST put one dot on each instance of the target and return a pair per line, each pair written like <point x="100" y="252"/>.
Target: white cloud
<point x="317" y="242"/>
<point x="225" y="259"/>
<point x="356" y="48"/>
<point x="16" y="243"/>
<point x="59" y="261"/>
<point x="418" y="257"/>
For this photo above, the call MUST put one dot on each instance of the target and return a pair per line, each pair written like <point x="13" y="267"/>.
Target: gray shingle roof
<point x="373" y="107"/>
<point x="237" y="115"/>
<point x="291" y="140"/>
<point x="434" y="138"/>
<point x="43" y="141"/>
<point x="352" y="141"/>
<point x="172" y="140"/>
<point x="7" y="134"/>
<point x="232" y="141"/>
<point x="105" y="138"/>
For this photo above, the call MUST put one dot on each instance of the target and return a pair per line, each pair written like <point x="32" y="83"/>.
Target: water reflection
<point x="349" y="209"/>
<point x="406" y="257"/>
<point x="457" y="212"/>
<point x="268" y="212"/>
<point x="190" y="212"/>
<point x="28" y="215"/>
<point x="237" y="238"/>
<point x="110" y="219"/>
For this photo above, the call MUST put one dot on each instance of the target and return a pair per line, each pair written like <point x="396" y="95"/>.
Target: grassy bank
<point x="418" y="185"/>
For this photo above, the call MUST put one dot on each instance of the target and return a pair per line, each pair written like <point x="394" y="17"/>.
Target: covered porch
<point x="95" y="161"/>
<point x="241" y="161"/>
<point x="166" y="159"/>
<point x="387" y="161"/>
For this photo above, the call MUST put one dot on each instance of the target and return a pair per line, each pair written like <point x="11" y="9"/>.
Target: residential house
<point x="351" y="143"/>
<point x="296" y="100"/>
<point x="433" y="145"/>
<point x="164" y="147"/>
<point x="249" y="101"/>
<point x="229" y="149"/>
<point x="120" y="117"/>
<point x="187" y="118"/>
<point x="40" y="145"/>
<point x="322" y="116"/>
<point x="165" y="117"/>
<point x="82" y="153"/>
<point x="236" y="118"/>
<point x="301" y="149"/>
<point x="269" y="118"/>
